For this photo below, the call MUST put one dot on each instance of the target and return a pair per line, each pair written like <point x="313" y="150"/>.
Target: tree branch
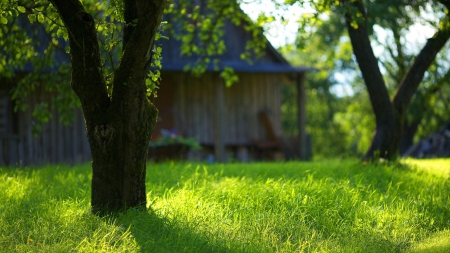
<point x="359" y="36"/>
<point x="400" y="59"/>
<point x="87" y="78"/>
<point x="390" y="69"/>
<point x="415" y="74"/>
<point x="143" y="19"/>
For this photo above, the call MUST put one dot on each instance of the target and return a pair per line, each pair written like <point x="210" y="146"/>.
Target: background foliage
<point x="33" y="38"/>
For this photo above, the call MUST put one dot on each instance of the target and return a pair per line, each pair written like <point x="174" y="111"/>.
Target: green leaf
<point x="32" y="18"/>
<point x="4" y="20"/>
<point x="21" y="9"/>
<point x="40" y="18"/>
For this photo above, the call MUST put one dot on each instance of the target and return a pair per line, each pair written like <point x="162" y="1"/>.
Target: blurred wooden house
<point x="241" y="121"/>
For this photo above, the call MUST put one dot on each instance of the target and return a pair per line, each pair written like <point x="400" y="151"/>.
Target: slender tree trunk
<point x="389" y="115"/>
<point x="384" y="139"/>
<point x="118" y="127"/>
<point x="414" y="76"/>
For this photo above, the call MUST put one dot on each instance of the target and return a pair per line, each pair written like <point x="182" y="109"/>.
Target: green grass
<point x="322" y="206"/>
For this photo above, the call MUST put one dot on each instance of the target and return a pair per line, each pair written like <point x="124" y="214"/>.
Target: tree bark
<point x="383" y="141"/>
<point x="389" y="115"/>
<point x="118" y="127"/>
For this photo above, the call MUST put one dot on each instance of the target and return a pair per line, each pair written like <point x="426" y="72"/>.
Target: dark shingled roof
<point x="235" y="40"/>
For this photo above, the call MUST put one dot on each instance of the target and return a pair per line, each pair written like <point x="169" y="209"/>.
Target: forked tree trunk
<point x="119" y="155"/>
<point x="118" y="127"/>
<point x="389" y="115"/>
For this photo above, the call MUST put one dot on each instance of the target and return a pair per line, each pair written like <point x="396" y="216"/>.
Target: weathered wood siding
<point x="195" y="106"/>
<point x="57" y="143"/>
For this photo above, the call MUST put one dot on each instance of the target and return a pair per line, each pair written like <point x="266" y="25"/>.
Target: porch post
<point x="219" y="144"/>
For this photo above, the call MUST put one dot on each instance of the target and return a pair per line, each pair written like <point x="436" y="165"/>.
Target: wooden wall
<point x="57" y="143"/>
<point x="195" y="105"/>
<point x="189" y="102"/>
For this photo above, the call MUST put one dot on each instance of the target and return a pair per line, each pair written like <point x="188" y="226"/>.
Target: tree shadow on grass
<point x="160" y="234"/>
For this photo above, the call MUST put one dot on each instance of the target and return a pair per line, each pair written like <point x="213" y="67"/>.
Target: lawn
<point x="321" y="206"/>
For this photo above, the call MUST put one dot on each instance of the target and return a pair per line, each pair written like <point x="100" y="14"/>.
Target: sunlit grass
<point x="436" y="243"/>
<point x="324" y="206"/>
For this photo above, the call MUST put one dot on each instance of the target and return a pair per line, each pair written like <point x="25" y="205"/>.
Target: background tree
<point x="389" y="116"/>
<point x="389" y="24"/>
<point x="402" y="70"/>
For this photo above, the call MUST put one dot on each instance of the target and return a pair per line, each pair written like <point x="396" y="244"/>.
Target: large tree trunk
<point x="118" y="127"/>
<point x="389" y="115"/>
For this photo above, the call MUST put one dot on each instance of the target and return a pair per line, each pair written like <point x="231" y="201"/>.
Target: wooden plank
<point x="165" y="104"/>
<point x="259" y="87"/>
<point x="301" y="115"/>
<point x="20" y="144"/>
<point x="188" y="108"/>
<point x="242" y="96"/>
<point x="276" y="90"/>
<point x="276" y="107"/>
<point x="253" y="115"/>
<point x="75" y="137"/>
<point x="210" y="110"/>
<point x="67" y="155"/>
<point x="191" y="106"/>
<point x="199" y="108"/>
<point x="33" y="147"/>
<point x="228" y="118"/>
<point x="70" y="142"/>
<point x="237" y="105"/>
<point x="263" y="98"/>
<point x="180" y="103"/>
<point x="240" y="112"/>
<point x="219" y="123"/>
<point x="13" y="152"/>
<point x="54" y="135"/>
<point x="200" y="97"/>
<point x="25" y="153"/>
<point x="3" y="153"/>
<point x="61" y="152"/>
